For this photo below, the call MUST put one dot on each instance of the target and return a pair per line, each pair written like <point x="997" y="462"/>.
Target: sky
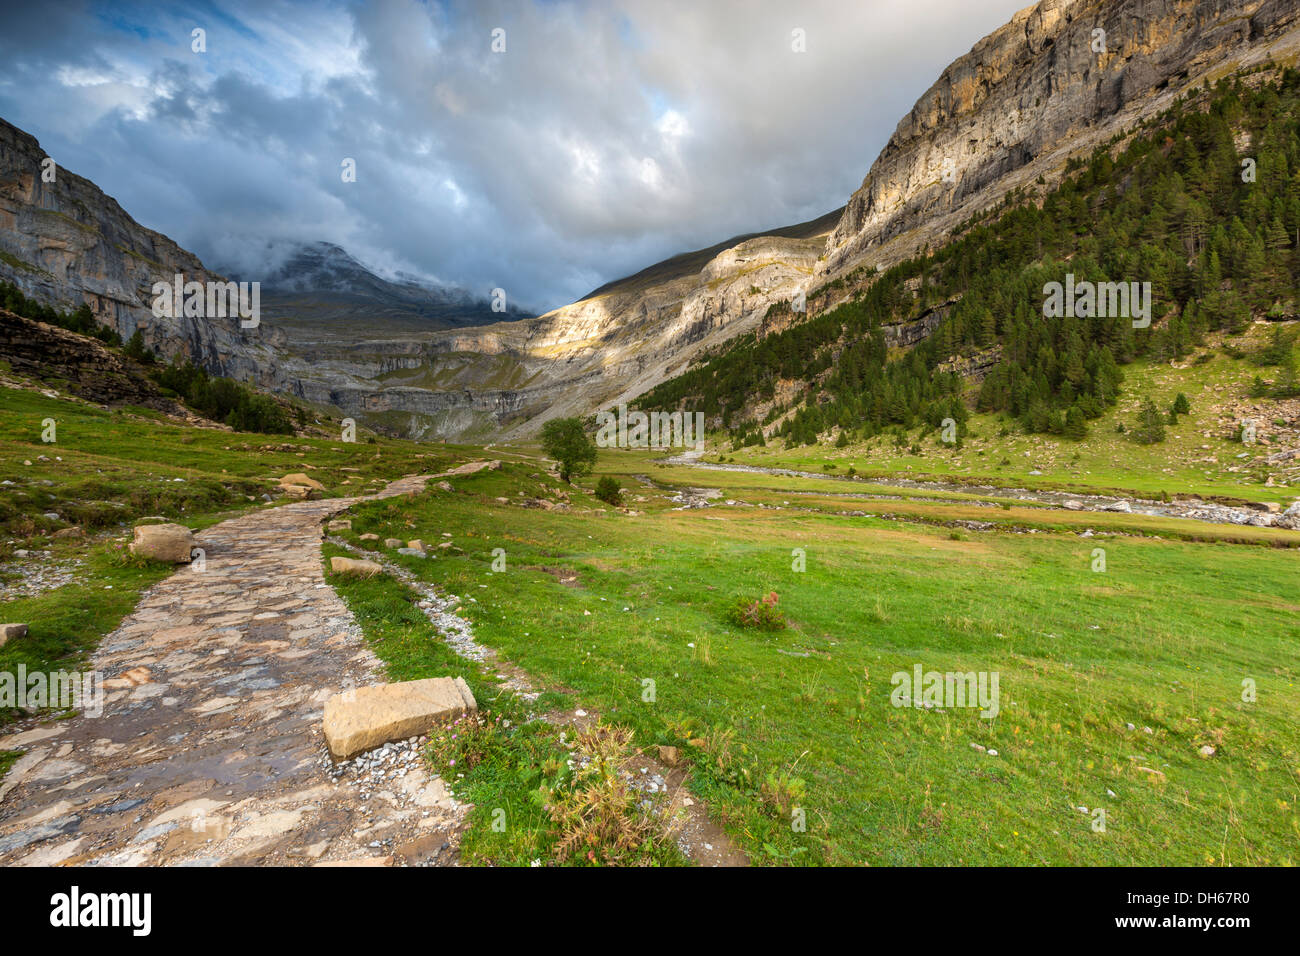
<point x="542" y="147"/>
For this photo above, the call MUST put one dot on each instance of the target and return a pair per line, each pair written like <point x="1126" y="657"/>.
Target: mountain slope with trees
<point x="1202" y="201"/>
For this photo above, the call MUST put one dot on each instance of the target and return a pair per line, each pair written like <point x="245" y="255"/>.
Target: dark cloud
<point x="605" y="137"/>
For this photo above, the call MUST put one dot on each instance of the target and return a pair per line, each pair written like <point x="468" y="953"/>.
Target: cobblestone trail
<point x="208" y="750"/>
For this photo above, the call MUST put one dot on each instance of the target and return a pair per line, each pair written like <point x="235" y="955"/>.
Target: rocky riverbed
<point x="1262" y="516"/>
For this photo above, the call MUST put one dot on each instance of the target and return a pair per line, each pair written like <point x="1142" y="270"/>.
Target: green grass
<point x="1162" y="639"/>
<point x="594" y="602"/>
<point x="65" y="624"/>
<point x="502" y="767"/>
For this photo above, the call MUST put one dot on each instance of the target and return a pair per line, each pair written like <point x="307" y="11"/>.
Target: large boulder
<point x="341" y="565"/>
<point x="163" y="542"/>
<point x="367" y="717"/>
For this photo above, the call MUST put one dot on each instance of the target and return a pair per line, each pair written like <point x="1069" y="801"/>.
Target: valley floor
<point x="1145" y="665"/>
<point x="1154" y="682"/>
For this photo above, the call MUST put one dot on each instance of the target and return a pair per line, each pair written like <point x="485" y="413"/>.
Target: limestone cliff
<point x="65" y="242"/>
<point x="1062" y="77"/>
<point x="506" y="379"/>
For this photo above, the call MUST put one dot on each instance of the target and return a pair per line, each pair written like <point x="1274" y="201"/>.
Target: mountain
<point x="316" y="284"/>
<point x="65" y="243"/>
<point x="398" y="355"/>
<point x="1013" y="117"/>
<point x="1034" y="93"/>
<point x="1026" y="102"/>
<point x="933" y="296"/>
<point x="505" y="379"/>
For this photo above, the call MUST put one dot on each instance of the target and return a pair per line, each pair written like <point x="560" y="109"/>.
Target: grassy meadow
<point x="105" y="470"/>
<point x="1113" y="683"/>
<point x="594" y="603"/>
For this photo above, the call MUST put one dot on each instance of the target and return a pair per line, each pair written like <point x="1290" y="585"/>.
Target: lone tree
<point x="1151" y="427"/>
<point x="565" y="440"/>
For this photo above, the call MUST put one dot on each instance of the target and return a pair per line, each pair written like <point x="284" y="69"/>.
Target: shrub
<point x="762" y="614"/>
<point x="465" y="743"/>
<point x="609" y="491"/>
<point x="603" y="819"/>
<point x="782" y="791"/>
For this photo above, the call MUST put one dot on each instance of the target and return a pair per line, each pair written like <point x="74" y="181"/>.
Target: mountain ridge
<point x="1025" y="101"/>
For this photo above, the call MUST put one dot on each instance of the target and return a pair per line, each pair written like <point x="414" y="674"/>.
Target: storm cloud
<point x="602" y="138"/>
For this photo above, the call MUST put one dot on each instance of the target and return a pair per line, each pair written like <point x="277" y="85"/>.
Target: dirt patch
<point x="566" y="576"/>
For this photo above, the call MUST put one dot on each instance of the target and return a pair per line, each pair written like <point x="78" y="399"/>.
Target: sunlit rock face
<point x="1059" y="79"/>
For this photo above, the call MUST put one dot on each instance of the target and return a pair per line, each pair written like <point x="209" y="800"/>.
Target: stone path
<point x="209" y="750"/>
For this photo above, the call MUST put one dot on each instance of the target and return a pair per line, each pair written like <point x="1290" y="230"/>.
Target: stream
<point x="1195" y="509"/>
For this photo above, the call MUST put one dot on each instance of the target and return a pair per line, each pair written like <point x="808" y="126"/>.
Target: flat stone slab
<point x="363" y="718"/>
<point x="10" y="631"/>
<point x="473" y="467"/>
<point x="341" y="565"/>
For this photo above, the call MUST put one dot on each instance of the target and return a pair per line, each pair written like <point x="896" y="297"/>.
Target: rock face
<point x="163" y="542"/>
<point x="1043" y="87"/>
<point x="81" y="364"/>
<point x="65" y="243"/>
<point x="367" y="717"/>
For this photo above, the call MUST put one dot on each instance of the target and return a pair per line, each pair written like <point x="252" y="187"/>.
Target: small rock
<point x="11" y="631"/>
